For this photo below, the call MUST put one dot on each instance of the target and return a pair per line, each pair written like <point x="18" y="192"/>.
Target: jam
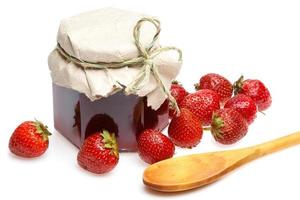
<point x="76" y="116"/>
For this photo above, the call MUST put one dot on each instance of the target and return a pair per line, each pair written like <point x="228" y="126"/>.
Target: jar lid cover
<point x="103" y="35"/>
<point x="106" y="36"/>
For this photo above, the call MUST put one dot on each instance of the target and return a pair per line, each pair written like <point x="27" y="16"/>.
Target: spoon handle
<point x="277" y="144"/>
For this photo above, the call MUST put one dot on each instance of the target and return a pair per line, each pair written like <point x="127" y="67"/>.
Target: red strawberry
<point x="153" y="146"/>
<point x="30" y="139"/>
<point x="99" y="152"/>
<point x="256" y="90"/>
<point x="185" y="130"/>
<point x="178" y="92"/>
<point x="244" y="105"/>
<point x="202" y="103"/>
<point x="228" y="126"/>
<point x="217" y="83"/>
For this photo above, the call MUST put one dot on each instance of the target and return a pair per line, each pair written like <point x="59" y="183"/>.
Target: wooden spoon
<point x="193" y="171"/>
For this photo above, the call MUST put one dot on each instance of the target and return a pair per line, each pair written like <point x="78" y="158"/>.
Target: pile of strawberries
<point x="212" y="107"/>
<point x="223" y="108"/>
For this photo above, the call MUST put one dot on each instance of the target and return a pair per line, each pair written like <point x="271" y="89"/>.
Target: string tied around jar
<point x="145" y="60"/>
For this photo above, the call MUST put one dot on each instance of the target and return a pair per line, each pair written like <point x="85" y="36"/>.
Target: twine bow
<point x="145" y="59"/>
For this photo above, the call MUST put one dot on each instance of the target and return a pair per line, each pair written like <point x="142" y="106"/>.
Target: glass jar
<point x="100" y="55"/>
<point x="76" y="116"/>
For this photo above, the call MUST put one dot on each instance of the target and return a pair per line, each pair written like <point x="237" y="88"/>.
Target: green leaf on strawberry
<point x="42" y="129"/>
<point x="110" y="142"/>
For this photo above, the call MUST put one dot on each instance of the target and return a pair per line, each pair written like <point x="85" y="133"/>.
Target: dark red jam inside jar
<point x="76" y="116"/>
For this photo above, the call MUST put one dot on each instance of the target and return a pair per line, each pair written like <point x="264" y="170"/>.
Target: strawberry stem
<point x="42" y="129"/>
<point x="176" y="82"/>
<point x="237" y="86"/>
<point x="197" y="86"/>
<point x="207" y="128"/>
<point x="216" y="126"/>
<point x="110" y="142"/>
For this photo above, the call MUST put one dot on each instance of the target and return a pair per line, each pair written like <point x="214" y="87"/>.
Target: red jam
<point x="76" y="117"/>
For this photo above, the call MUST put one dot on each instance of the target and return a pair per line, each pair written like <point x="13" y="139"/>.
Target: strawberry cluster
<point x="217" y="105"/>
<point x="224" y="108"/>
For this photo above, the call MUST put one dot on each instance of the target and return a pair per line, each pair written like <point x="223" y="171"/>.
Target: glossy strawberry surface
<point x="153" y="146"/>
<point x="202" y="103"/>
<point x="185" y="130"/>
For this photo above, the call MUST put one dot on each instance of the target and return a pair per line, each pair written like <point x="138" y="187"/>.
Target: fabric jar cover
<point x="106" y="36"/>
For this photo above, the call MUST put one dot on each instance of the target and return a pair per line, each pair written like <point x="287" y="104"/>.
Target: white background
<point x="260" y="39"/>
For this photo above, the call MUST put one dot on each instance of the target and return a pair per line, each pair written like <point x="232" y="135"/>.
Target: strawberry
<point x="202" y="103"/>
<point x="217" y="83"/>
<point x="228" y="126"/>
<point x="244" y="105"/>
<point x="99" y="152"/>
<point x="256" y="90"/>
<point x="185" y="130"/>
<point x="178" y="92"/>
<point x="153" y="146"/>
<point x="30" y="139"/>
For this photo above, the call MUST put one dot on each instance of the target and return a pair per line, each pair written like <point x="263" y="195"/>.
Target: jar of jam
<point x="103" y="80"/>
